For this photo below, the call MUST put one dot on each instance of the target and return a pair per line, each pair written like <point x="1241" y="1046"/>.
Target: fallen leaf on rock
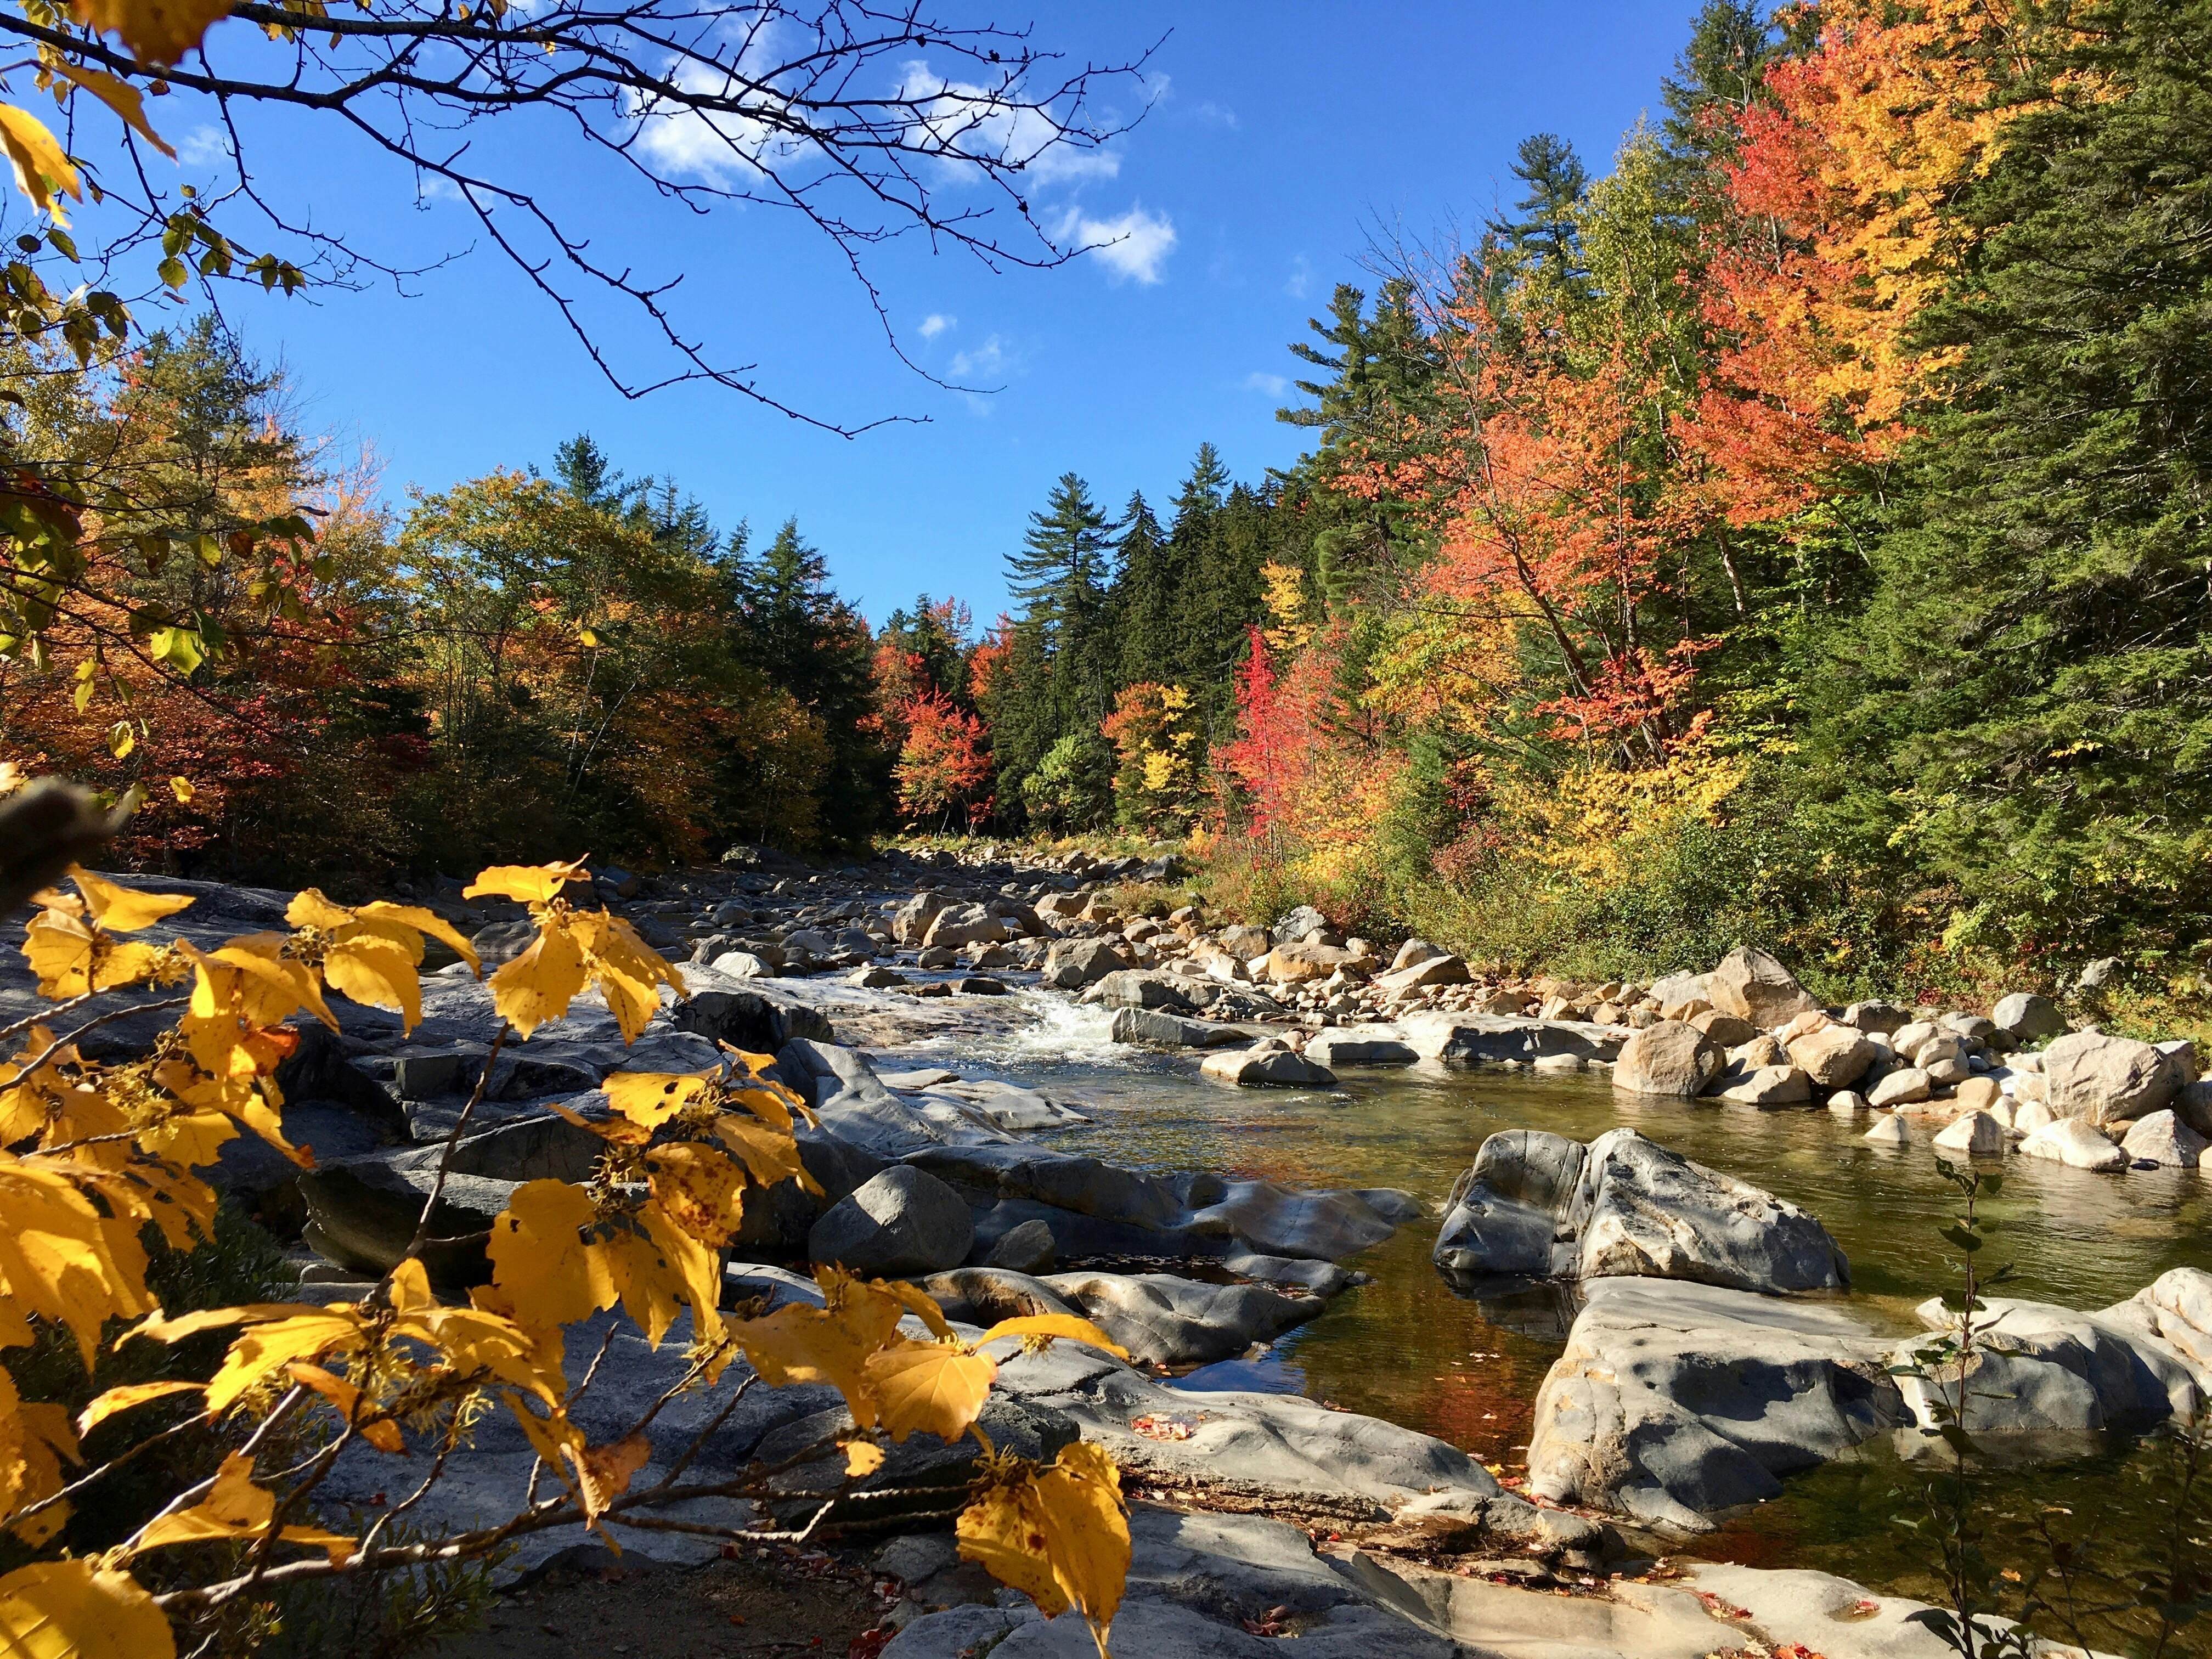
<point x="1154" y="1427"/>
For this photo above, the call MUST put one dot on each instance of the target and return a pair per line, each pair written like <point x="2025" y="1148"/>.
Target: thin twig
<point x="453" y="1140"/>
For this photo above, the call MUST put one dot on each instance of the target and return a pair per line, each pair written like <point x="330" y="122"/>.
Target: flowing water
<point x="1407" y="1348"/>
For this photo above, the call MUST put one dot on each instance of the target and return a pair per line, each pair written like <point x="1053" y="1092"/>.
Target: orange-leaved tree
<point x="96" y="1161"/>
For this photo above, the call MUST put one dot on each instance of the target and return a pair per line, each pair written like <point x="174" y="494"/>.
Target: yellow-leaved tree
<point x="96" y="1159"/>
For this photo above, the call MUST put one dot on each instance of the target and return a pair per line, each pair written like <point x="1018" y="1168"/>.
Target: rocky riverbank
<point x="859" y="980"/>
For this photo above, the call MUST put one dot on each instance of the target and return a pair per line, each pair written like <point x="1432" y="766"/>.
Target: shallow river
<point x="1405" y="1347"/>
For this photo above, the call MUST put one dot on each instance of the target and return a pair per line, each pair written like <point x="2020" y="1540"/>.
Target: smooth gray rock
<point x="1765" y="1085"/>
<point x="2071" y="1141"/>
<point x="2027" y="1016"/>
<point x="1028" y="1248"/>
<point x="1266" y="1068"/>
<point x="1155" y="1029"/>
<point x="1163" y="1320"/>
<point x="1455" y="1040"/>
<point x="1073" y="964"/>
<point x="1322" y="1278"/>
<point x="1140" y="987"/>
<point x="1067" y="1181"/>
<point x="1539" y="1205"/>
<point x="2163" y="1138"/>
<point x="1672" y="1402"/>
<point x="901" y="1223"/>
<point x="1356" y="1047"/>
<point x="363" y="1214"/>
<point x="1884" y="1018"/>
<point x="1976" y="1134"/>
<point x="2106" y="1079"/>
<point x="1300" y="924"/>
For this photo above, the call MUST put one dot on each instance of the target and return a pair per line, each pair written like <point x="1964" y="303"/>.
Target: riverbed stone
<point x="1156" y="1028"/>
<point x="1163" y="1320"/>
<point x="1888" y="1130"/>
<point x="1674" y="1401"/>
<point x="1833" y="1056"/>
<point x="2027" y="1016"/>
<point x="1847" y="1102"/>
<point x="2072" y="1141"/>
<point x="1140" y="987"/>
<point x="903" y="1223"/>
<point x="2100" y="1078"/>
<point x="1767" y="1085"/>
<point x="1072" y="963"/>
<point x="2164" y="1139"/>
<point x="1976" y="1134"/>
<point x="1751" y="985"/>
<point x="1429" y="971"/>
<point x="1671" y="1058"/>
<point x="1884" y="1018"/>
<point x="1539" y="1205"/>
<point x="1028" y="1248"/>
<point x="1906" y="1086"/>
<point x="1266" y="1068"/>
<point x="1359" y="1047"/>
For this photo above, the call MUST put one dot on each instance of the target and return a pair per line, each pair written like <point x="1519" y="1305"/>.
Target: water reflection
<point x="1467" y="1367"/>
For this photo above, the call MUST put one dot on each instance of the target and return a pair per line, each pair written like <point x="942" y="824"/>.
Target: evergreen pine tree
<point x="1144" y="597"/>
<point x="1545" y="233"/>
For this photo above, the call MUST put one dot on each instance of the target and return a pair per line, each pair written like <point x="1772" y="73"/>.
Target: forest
<point x="1795" y="532"/>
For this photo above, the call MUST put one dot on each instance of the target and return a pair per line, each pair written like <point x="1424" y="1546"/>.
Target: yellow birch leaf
<point x="1058" y="1533"/>
<point x="539" y="1260"/>
<point x="1070" y="1327"/>
<point x="409" y="1288"/>
<point x="525" y="883"/>
<point x="649" y="1099"/>
<point x="129" y="104"/>
<point x="1003" y="1530"/>
<point x="124" y="909"/>
<point x="802" y="1344"/>
<point x="380" y="1432"/>
<point x="70" y="958"/>
<point x="771" y="1156"/>
<point x="539" y="984"/>
<point x="236" y="1508"/>
<point x="919" y="1302"/>
<point x="131" y="1394"/>
<point x="42" y="171"/>
<point x="376" y="971"/>
<point x="77" y="1610"/>
<point x="157" y="32"/>
<point x="35" y="1440"/>
<point x="933" y="1387"/>
<point x="261" y="1350"/>
<point x="604" y="1473"/>
<point x="384" y="916"/>
<point x="862" y="1458"/>
<point x="699" y="1189"/>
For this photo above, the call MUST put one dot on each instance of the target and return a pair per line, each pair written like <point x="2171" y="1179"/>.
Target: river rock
<point x="1352" y="1047"/>
<point x="1976" y="1134"/>
<point x="1322" y="1278"/>
<point x="1541" y="1205"/>
<point x="1751" y="985"/>
<point x="1670" y="1057"/>
<point x="1271" y="1068"/>
<point x="2193" y="1106"/>
<point x="2038" y="1368"/>
<point x="1139" y="988"/>
<point x="2164" y="1139"/>
<point x="1072" y="963"/>
<point x="2027" y="1016"/>
<point x="363" y="1214"/>
<point x="1414" y="952"/>
<point x="1302" y="961"/>
<point x="1163" y="1320"/>
<point x="2071" y="1141"/>
<point x="1067" y="1180"/>
<point x="1155" y="1029"/>
<point x="1884" y="1018"/>
<point x="2106" y="1079"/>
<point x="1768" y="1085"/>
<point x="904" y="1222"/>
<point x="1889" y="1130"/>
<point x="1470" y="1040"/>
<point x="1725" y="1029"/>
<point x="1833" y="1056"/>
<point x="1028" y="1248"/>
<point x="1907" y="1085"/>
<point x="1430" y="970"/>
<point x="1846" y="1102"/>
<point x="2176" y="1307"/>
<point x="1674" y="1401"/>
<point x="1299" y="925"/>
<point x="1979" y="1094"/>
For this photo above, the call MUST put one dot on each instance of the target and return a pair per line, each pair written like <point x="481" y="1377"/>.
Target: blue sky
<point x="1286" y="131"/>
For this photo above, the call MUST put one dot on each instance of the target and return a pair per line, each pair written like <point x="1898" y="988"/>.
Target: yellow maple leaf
<point x="35" y="1441"/>
<point x="604" y="1473"/>
<point x="267" y="1347"/>
<point x="700" y="1189"/>
<point x="70" y="957"/>
<point x="157" y="32"/>
<point x="770" y="1156"/>
<point x="78" y="1609"/>
<point x="862" y="1458"/>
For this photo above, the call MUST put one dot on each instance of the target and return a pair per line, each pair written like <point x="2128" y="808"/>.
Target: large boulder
<point x="1751" y="985"/>
<point x="2026" y="1016"/>
<point x="1261" y="1067"/>
<point x="962" y="925"/>
<point x="903" y="1223"/>
<point x="1155" y="1029"/>
<point x="1669" y="1058"/>
<point x="1163" y="1320"/>
<point x="1141" y="987"/>
<point x="1244" y="941"/>
<point x="1429" y="970"/>
<point x="1674" y="1401"/>
<point x="1537" y="1204"/>
<point x="1073" y="964"/>
<point x="1300" y="924"/>
<point x="2072" y="1141"/>
<point x="2164" y="1139"/>
<point x="1302" y="960"/>
<point x="1352" y="1047"/>
<point x="2107" y="1079"/>
<point x="1472" y="1040"/>
<point x="1765" y="1086"/>
<point x="1833" y="1056"/>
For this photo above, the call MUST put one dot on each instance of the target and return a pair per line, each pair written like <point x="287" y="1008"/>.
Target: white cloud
<point x="716" y="146"/>
<point x="1219" y="114"/>
<point x="960" y="123"/>
<point x="1300" y="280"/>
<point x="204" y="147"/>
<point x="985" y="363"/>
<point x="1273" y="385"/>
<point x="1135" y="246"/>
<point x="936" y="324"/>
